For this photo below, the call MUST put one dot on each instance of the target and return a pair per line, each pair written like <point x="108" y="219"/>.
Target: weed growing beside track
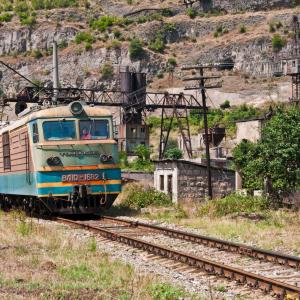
<point x="40" y="261"/>
<point x="241" y="219"/>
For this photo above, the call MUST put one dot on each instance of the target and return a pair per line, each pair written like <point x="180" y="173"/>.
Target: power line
<point x="202" y="86"/>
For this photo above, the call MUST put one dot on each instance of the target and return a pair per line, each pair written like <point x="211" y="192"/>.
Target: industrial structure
<point x="131" y="97"/>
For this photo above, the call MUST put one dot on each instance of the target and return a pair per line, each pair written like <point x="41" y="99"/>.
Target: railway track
<point x="272" y="272"/>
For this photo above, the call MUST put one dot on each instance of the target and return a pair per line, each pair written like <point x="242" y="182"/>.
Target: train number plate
<point x="79" y="177"/>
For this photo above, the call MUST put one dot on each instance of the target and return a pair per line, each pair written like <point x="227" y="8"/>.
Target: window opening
<point x="170" y="184"/>
<point x="59" y="130"/>
<point x="35" y="133"/>
<point x="94" y="129"/>
<point x="162" y="182"/>
<point x="6" y="151"/>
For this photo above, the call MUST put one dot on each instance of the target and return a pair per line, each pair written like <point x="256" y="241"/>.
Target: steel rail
<point x="270" y="256"/>
<point x="268" y="285"/>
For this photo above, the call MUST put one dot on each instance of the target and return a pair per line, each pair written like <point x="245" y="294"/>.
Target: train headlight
<point x="54" y="161"/>
<point x="105" y="158"/>
<point x="76" y="108"/>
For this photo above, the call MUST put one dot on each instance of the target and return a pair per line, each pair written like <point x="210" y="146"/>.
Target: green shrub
<point x="123" y="159"/>
<point x="174" y="153"/>
<point x="158" y="45"/>
<point x="167" y="12"/>
<point x="278" y="25"/>
<point x="37" y="53"/>
<point x="225" y="104"/>
<point x="21" y="7"/>
<point x="24" y="228"/>
<point x="37" y="4"/>
<point x="88" y="46"/>
<point x="7" y="7"/>
<point x="278" y="43"/>
<point x="243" y="29"/>
<point x="216" y="34"/>
<point x="107" y="71"/>
<point x="191" y="12"/>
<point x="233" y="204"/>
<point x="172" y="62"/>
<point x="272" y="27"/>
<point x="163" y="291"/>
<point x="28" y="21"/>
<point x="142" y="152"/>
<point x="114" y="44"/>
<point x="160" y="75"/>
<point x="84" y="37"/>
<point x="117" y="33"/>
<point x="104" y="22"/>
<point x="137" y="196"/>
<point x="135" y="48"/>
<point x="6" y="17"/>
<point x="76" y="272"/>
<point x="92" y="245"/>
<point x="63" y="44"/>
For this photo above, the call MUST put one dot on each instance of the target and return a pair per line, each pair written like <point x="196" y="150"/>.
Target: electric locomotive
<point x="61" y="160"/>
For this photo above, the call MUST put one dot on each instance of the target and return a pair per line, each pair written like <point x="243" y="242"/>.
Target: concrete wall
<point x="250" y="130"/>
<point x="163" y="174"/>
<point x="145" y="177"/>
<point x="192" y="182"/>
<point x="189" y="180"/>
<point x="293" y="200"/>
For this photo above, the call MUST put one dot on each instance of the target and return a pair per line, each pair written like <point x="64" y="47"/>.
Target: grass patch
<point x="51" y="264"/>
<point x="76" y="272"/>
<point x="136" y="196"/>
<point x="166" y="292"/>
<point x="273" y="229"/>
<point x="233" y="204"/>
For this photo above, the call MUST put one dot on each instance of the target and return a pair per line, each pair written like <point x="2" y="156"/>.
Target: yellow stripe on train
<point x="93" y="182"/>
<point x="75" y="168"/>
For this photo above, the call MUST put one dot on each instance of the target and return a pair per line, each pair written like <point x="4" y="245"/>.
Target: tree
<point x="107" y="71"/>
<point x="278" y="42"/>
<point x="142" y="152"/>
<point x="135" y="48"/>
<point x="174" y="153"/>
<point x="225" y="104"/>
<point x="276" y="156"/>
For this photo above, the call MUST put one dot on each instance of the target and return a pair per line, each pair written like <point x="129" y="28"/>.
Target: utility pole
<point x="55" y="73"/>
<point x="202" y="86"/>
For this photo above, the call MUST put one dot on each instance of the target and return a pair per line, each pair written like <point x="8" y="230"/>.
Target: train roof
<point x="54" y="112"/>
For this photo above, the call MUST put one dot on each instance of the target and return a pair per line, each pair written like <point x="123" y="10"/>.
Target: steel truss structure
<point x="131" y="104"/>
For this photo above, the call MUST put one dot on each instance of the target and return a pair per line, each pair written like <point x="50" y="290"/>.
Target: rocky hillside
<point x="96" y="38"/>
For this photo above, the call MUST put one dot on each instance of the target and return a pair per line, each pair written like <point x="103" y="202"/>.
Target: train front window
<point x="94" y="129"/>
<point x="59" y="130"/>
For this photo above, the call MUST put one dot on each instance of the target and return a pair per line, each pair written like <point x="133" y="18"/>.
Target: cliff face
<point x="206" y="38"/>
<point x="245" y="5"/>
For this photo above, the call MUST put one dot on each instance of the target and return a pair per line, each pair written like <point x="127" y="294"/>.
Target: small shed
<point x="186" y="180"/>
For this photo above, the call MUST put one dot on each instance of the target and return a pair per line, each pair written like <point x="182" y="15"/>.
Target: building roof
<point x="262" y="118"/>
<point x="190" y="163"/>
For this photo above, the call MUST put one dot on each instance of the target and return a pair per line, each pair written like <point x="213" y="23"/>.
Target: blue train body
<point x="60" y="160"/>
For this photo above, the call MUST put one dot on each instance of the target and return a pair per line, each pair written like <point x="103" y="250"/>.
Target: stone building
<point x="186" y="180"/>
<point x="132" y="135"/>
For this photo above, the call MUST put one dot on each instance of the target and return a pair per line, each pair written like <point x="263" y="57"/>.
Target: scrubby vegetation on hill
<point x="222" y="117"/>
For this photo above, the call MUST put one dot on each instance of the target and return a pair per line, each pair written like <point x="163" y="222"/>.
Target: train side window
<point x="6" y="151"/>
<point x="35" y="133"/>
